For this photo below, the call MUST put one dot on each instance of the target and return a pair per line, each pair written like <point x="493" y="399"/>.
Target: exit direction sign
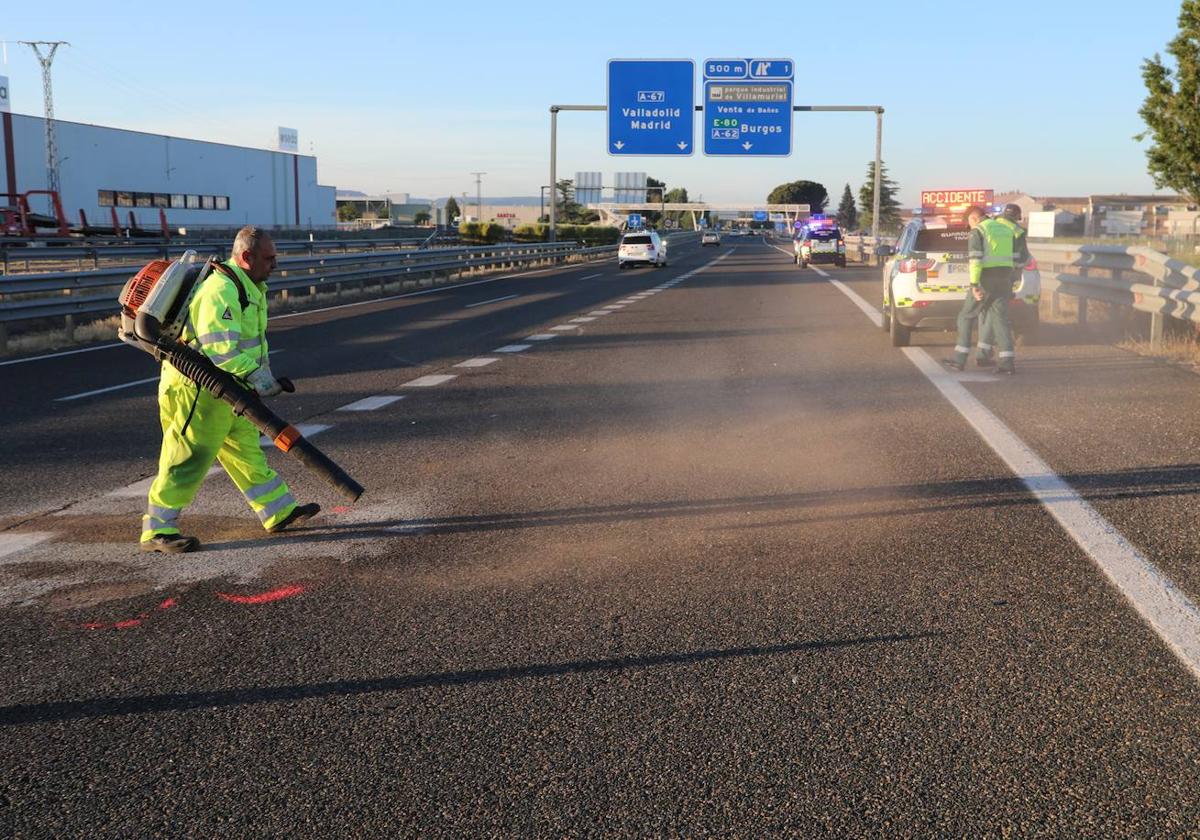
<point x="634" y="220"/>
<point x="748" y="106"/>
<point x="651" y="106"/>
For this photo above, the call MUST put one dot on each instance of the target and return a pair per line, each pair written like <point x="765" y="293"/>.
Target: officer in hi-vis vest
<point x="991" y="260"/>
<point x="227" y="321"/>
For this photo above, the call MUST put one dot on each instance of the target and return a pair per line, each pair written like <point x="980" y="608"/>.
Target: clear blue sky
<point x="412" y="97"/>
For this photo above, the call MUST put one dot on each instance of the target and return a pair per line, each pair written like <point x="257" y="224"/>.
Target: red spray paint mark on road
<point x="130" y="622"/>
<point x="341" y="509"/>
<point x="263" y="597"/>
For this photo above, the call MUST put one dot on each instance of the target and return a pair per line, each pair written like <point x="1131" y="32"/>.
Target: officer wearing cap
<point x="990" y="254"/>
<point x="1010" y="216"/>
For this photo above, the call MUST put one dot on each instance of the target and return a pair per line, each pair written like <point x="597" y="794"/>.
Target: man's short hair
<point x="1013" y="212"/>
<point x="248" y="239"/>
<point x="974" y="209"/>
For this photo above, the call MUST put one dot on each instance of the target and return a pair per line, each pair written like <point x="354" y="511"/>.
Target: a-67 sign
<point x="956" y="198"/>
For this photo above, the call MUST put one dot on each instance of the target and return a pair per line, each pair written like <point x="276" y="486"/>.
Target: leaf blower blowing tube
<point x="246" y="403"/>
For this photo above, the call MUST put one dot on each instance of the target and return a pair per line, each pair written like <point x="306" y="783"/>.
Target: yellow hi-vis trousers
<point x="197" y="429"/>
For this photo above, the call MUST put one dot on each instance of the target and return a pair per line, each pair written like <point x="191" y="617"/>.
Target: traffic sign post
<point x="748" y="107"/>
<point x="651" y="107"/>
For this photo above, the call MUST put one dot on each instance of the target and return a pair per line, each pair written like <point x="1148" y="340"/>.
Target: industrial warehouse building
<point x="196" y="183"/>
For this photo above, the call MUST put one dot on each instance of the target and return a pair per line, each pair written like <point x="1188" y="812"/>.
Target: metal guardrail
<point x="58" y="296"/>
<point x="122" y="252"/>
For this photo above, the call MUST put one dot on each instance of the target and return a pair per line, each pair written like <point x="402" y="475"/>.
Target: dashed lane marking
<point x="486" y="302"/>
<point x="598" y="312"/>
<point x="308" y="430"/>
<point x="139" y="489"/>
<point x="540" y="337"/>
<point x="565" y="327"/>
<point x="512" y="348"/>
<point x="591" y="277"/>
<point x="481" y="361"/>
<point x="585" y="319"/>
<point x="371" y="403"/>
<point x="63" y="353"/>
<point x="106" y="390"/>
<point x="429" y="381"/>
<point x="1161" y="604"/>
<point x="13" y="543"/>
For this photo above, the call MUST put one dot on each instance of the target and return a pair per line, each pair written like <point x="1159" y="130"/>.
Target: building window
<point x="105" y="198"/>
<point x="193" y="202"/>
<point x="141" y="199"/>
<point x="162" y="200"/>
<point x="222" y="202"/>
<point x="124" y="199"/>
<point x="206" y="202"/>
<point x="177" y="202"/>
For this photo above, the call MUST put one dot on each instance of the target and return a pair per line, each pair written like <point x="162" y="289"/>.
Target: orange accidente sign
<point x="956" y="198"/>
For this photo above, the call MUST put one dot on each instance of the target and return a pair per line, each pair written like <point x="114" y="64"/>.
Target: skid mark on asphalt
<point x="1161" y="604"/>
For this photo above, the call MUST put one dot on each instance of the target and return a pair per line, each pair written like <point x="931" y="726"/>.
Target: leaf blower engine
<point x="154" y="305"/>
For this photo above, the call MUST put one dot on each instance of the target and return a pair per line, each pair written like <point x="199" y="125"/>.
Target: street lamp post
<point x="479" y="193"/>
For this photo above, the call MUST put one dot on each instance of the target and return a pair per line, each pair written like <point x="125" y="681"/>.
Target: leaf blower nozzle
<point x="153" y="312"/>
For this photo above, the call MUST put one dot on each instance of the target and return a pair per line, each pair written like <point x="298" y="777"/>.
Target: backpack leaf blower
<point x="154" y="305"/>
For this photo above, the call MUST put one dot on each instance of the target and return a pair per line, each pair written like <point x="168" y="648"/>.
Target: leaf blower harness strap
<point x="154" y="305"/>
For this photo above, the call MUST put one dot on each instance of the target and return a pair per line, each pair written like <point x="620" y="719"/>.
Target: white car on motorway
<point x="642" y="247"/>
<point x="926" y="278"/>
<point x="710" y="237"/>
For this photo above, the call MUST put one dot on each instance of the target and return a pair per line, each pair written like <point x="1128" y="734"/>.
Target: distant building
<point x="195" y="183"/>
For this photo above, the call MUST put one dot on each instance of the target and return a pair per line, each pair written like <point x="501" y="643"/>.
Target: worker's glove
<point x="264" y="382"/>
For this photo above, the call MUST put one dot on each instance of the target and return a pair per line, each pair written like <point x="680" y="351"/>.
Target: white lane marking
<point x="627" y="301"/>
<point x="869" y="310"/>
<point x="512" y="348"/>
<point x="63" y="353"/>
<point x="493" y="300"/>
<point x="1168" y="611"/>
<point x="1160" y="603"/>
<point x="586" y="319"/>
<point x="142" y="487"/>
<point x="478" y="362"/>
<point x="371" y="403"/>
<point x="591" y="277"/>
<point x="121" y="386"/>
<point x="565" y="327"/>
<point x="540" y="337"/>
<point x="13" y="543"/>
<point x="449" y="288"/>
<point x="614" y="307"/>
<point x="596" y="313"/>
<point x="106" y="390"/>
<point x="429" y="381"/>
<point x="306" y="429"/>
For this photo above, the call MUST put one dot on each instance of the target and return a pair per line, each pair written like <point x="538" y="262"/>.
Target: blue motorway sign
<point x="634" y="220"/>
<point x="760" y="215"/>
<point x="651" y="106"/>
<point x="748" y="107"/>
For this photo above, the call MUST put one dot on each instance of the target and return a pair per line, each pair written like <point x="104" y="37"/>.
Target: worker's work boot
<point x="170" y="544"/>
<point x="954" y="364"/>
<point x="300" y="513"/>
<point x="985" y="361"/>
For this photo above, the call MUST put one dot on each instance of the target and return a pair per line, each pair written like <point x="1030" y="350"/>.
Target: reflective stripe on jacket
<point x="234" y="339"/>
<point x="990" y="246"/>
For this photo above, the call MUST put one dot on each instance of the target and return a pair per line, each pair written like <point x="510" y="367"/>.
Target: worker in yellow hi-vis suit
<point x="227" y="321"/>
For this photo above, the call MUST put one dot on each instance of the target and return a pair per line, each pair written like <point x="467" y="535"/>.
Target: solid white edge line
<point x="1162" y="604"/>
<point x="493" y="300"/>
<point x="1172" y="616"/>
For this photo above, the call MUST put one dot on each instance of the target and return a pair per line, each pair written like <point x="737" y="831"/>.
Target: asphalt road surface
<point x="677" y="551"/>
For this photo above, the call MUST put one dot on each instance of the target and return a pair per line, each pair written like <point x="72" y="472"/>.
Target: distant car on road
<point x="643" y="247"/>
<point x="710" y="237"/>
<point x="926" y="277"/>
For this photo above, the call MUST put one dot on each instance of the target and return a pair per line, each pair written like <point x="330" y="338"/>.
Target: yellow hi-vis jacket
<point x="234" y="338"/>
<point x="989" y="246"/>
